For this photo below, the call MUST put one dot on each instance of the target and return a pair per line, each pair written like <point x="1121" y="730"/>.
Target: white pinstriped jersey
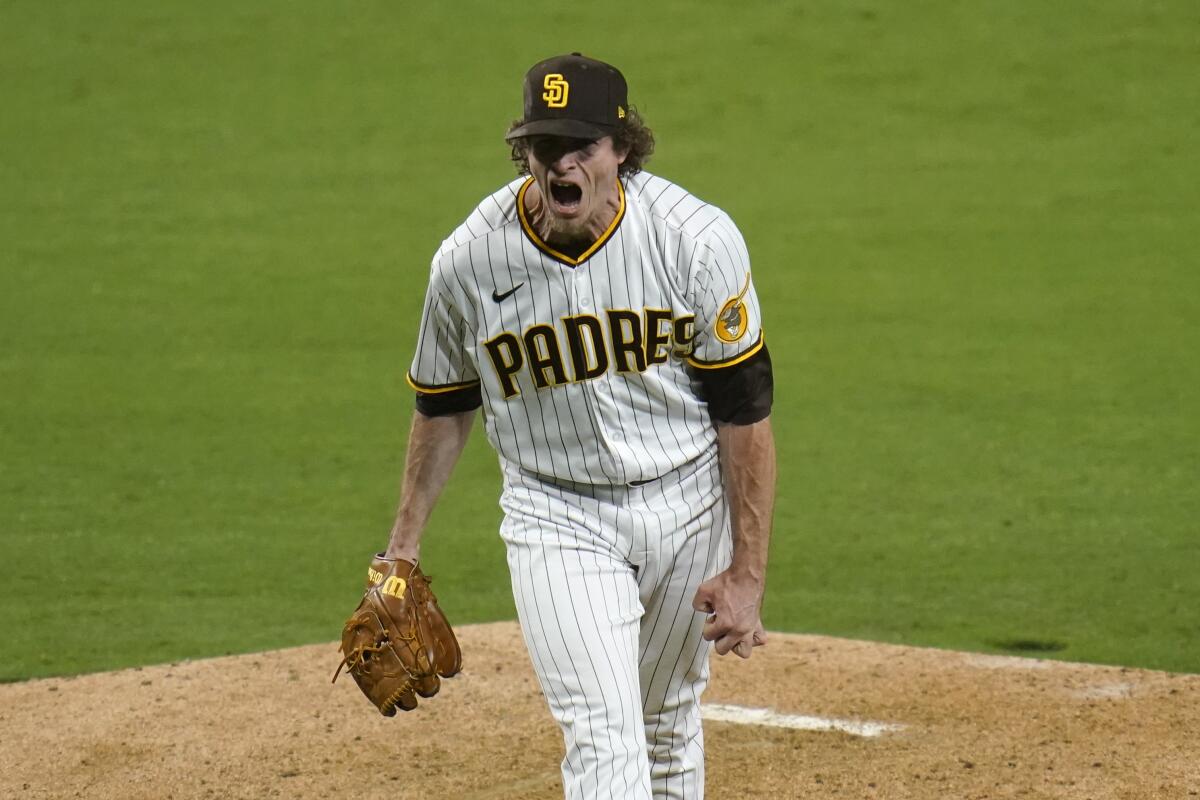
<point x="583" y="362"/>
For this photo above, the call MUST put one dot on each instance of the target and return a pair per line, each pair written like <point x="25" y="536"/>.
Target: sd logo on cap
<point x="574" y="96"/>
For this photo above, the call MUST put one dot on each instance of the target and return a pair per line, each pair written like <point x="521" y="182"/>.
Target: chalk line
<point x="765" y="716"/>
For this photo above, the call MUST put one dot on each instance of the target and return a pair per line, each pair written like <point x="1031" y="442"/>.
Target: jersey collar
<point x="550" y="251"/>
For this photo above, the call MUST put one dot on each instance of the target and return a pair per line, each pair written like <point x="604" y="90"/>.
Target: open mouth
<point x="566" y="195"/>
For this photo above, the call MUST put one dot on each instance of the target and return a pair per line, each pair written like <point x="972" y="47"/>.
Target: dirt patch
<point x="271" y="725"/>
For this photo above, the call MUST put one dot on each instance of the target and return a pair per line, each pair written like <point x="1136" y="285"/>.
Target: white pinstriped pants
<point x="603" y="578"/>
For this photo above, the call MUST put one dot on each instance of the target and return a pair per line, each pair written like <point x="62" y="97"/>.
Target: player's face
<point x="578" y="179"/>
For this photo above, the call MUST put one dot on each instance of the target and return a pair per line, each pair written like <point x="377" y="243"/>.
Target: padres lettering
<point x="556" y="92"/>
<point x="626" y="341"/>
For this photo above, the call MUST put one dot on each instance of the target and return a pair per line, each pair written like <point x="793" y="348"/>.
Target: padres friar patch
<point x="733" y="320"/>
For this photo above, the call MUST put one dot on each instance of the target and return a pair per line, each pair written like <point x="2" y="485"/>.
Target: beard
<point x="565" y="230"/>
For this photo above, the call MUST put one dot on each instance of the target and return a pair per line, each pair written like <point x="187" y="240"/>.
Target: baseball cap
<point x="572" y="95"/>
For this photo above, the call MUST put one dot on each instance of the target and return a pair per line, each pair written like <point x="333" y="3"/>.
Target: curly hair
<point x="631" y="133"/>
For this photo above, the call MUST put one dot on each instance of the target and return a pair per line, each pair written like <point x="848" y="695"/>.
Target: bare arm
<point x="733" y="598"/>
<point x="434" y="445"/>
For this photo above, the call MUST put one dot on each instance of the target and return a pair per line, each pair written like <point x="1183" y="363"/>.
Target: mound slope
<point x="271" y="725"/>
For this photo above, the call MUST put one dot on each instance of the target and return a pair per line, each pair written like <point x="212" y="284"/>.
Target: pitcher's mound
<point x="807" y="716"/>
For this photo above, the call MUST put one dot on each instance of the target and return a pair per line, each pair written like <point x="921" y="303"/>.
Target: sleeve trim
<point x="754" y="348"/>
<point x="446" y="387"/>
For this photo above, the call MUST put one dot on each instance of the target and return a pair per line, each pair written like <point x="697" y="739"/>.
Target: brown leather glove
<point x="398" y="641"/>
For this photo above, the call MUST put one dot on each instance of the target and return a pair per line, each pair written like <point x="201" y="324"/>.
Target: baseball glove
<point x="398" y="641"/>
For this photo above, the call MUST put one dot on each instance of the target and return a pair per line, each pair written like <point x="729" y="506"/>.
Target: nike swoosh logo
<point x="499" y="297"/>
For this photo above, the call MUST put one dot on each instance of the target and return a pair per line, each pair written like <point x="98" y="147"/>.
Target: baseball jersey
<point x="588" y="367"/>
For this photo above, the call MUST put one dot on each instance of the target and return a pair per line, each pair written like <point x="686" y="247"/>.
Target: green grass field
<point x="974" y="227"/>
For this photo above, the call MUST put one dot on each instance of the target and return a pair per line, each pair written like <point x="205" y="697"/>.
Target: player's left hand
<point x="732" y="600"/>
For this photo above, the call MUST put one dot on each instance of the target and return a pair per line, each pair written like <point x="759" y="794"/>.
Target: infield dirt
<point x="272" y="725"/>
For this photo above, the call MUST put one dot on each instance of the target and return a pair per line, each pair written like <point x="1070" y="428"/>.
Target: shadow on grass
<point x="1018" y="645"/>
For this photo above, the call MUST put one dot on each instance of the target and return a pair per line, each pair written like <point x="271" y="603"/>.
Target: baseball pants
<point x="603" y="578"/>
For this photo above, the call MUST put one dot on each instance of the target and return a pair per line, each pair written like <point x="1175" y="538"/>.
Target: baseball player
<point x="605" y="321"/>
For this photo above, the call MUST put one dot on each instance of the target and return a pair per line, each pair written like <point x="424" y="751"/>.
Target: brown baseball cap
<point x="572" y="95"/>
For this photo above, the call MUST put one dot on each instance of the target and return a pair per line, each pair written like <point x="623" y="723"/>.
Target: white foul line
<point x="765" y="716"/>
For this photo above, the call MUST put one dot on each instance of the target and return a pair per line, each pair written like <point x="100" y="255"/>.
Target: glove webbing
<point x="355" y="658"/>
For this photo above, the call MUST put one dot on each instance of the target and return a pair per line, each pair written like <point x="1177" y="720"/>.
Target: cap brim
<point x="574" y="128"/>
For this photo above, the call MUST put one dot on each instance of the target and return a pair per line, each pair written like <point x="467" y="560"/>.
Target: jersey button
<point x="584" y="303"/>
